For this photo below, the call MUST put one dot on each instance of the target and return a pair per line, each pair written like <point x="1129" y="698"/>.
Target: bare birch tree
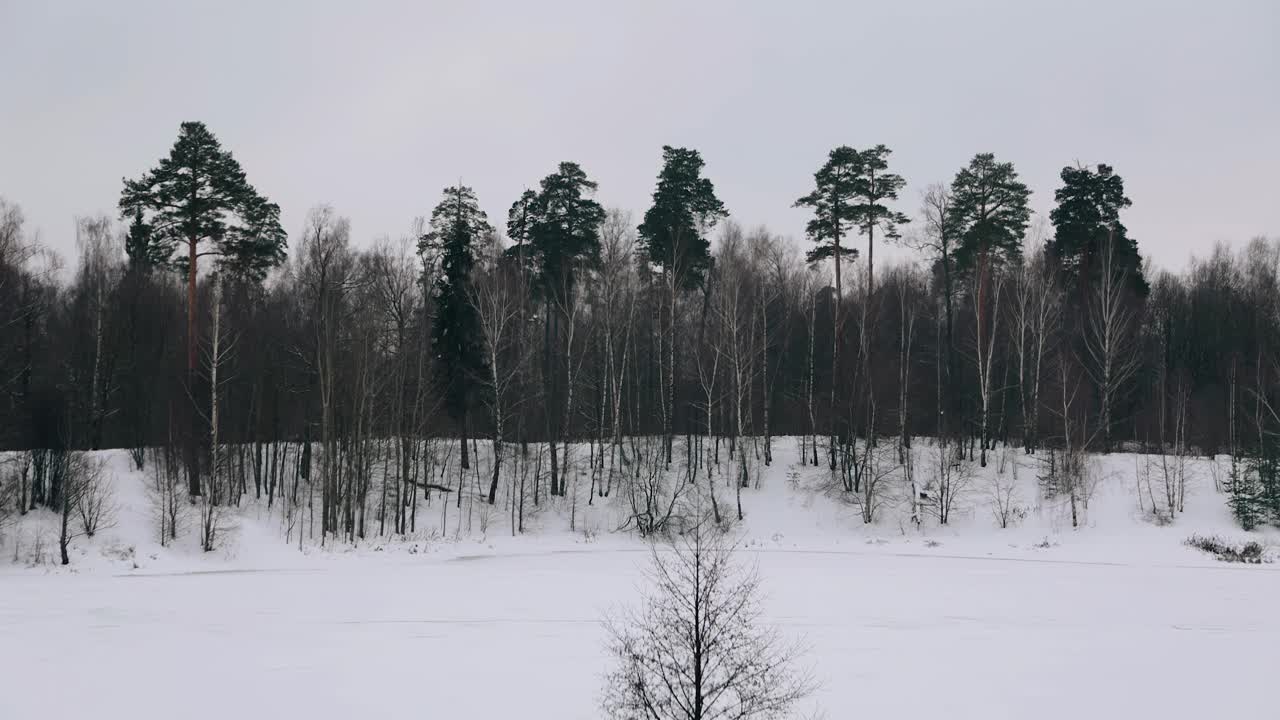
<point x="987" y="311"/>
<point x="1110" y="339"/>
<point x="1037" y="303"/>
<point x="495" y="297"/>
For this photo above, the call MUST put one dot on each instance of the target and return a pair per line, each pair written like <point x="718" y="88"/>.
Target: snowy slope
<point x="790" y="506"/>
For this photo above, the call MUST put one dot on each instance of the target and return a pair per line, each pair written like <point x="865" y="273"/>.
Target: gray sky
<point x="374" y="107"/>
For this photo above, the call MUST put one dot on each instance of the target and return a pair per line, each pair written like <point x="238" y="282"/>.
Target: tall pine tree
<point x="564" y="233"/>
<point x="520" y="231"/>
<point x="831" y="202"/>
<point x="990" y="213"/>
<point x="684" y="212"/>
<point x="449" y="251"/>
<point x="197" y="203"/>
<point x="873" y="187"/>
<point x="836" y="187"/>
<point x="565" y="229"/>
<point x="674" y="237"/>
<point x="1087" y="216"/>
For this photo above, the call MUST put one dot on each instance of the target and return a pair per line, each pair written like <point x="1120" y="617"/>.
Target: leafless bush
<point x="82" y="477"/>
<point x="1251" y="552"/>
<point x="212" y="511"/>
<point x="654" y="498"/>
<point x="32" y="555"/>
<point x="96" y="505"/>
<point x="880" y="464"/>
<point x="139" y="457"/>
<point x="8" y="492"/>
<point x="165" y="493"/>
<point x="951" y="479"/>
<point x="696" y="649"/>
<point x="1071" y="474"/>
<point x="1002" y="493"/>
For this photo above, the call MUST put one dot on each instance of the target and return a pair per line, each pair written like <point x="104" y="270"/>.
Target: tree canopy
<point x="564" y="228"/>
<point x="199" y="195"/>
<point x="989" y="212"/>
<point x="1086" y="218"/>
<point x="685" y="209"/>
<point x="833" y="216"/>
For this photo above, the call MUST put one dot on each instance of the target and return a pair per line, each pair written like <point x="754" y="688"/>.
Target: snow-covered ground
<point x="1116" y="619"/>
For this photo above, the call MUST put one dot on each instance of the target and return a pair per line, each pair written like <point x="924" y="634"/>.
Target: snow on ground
<point x="1117" y="619"/>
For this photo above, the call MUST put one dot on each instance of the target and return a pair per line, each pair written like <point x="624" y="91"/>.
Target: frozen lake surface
<point x="893" y="632"/>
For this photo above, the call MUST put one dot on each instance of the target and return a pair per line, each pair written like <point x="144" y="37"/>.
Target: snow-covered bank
<point x="789" y="507"/>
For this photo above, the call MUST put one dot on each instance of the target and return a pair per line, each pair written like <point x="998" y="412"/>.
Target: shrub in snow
<point x="85" y="492"/>
<point x="1251" y="552"/>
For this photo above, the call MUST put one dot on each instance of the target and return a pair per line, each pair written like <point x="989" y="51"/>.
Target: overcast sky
<point x="374" y="107"/>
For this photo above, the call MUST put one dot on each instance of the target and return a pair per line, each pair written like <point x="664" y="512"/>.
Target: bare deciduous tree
<point x="950" y="481"/>
<point x="1002" y="491"/>
<point x="989" y="284"/>
<point x="1037" y="302"/>
<point x="82" y="482"/>
<point x="696" y="649"/>
<point x="165" y="492"/>
<point x="495" y="294"/>
<point x="1110" y="340"/>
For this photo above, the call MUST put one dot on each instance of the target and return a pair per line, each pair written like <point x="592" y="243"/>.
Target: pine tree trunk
<point x="192" y="438"/>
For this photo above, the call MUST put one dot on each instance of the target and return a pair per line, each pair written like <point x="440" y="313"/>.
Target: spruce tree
<point x="197" y="203"/>
<point x="144" y="254"/>
<point x="1244" y="490"/>
<point x="1086" y="217"/>
<point x="1254" y="486"/>
<point x="449" y="246"/>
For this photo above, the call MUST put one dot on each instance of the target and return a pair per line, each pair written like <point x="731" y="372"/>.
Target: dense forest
<point x="189" y="328"/>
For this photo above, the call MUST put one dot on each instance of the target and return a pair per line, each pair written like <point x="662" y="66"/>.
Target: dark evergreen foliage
<point x="199" y="195"/>
<point x="873" y="187"/>
<point x="520" y="219"/>
<point x="831" y="202"/>
<point x="989" y="213"/>
<point x="1254" y="486"/>
<point x="449" y="251"/>
<point x="143" y="253"/>
<point x="565" y="228"/>
<point x="685" y="209"/>
<point x="1087" y="215"/>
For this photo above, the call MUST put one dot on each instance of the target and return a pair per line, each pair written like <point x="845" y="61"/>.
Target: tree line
<point x="187" y="332"/>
